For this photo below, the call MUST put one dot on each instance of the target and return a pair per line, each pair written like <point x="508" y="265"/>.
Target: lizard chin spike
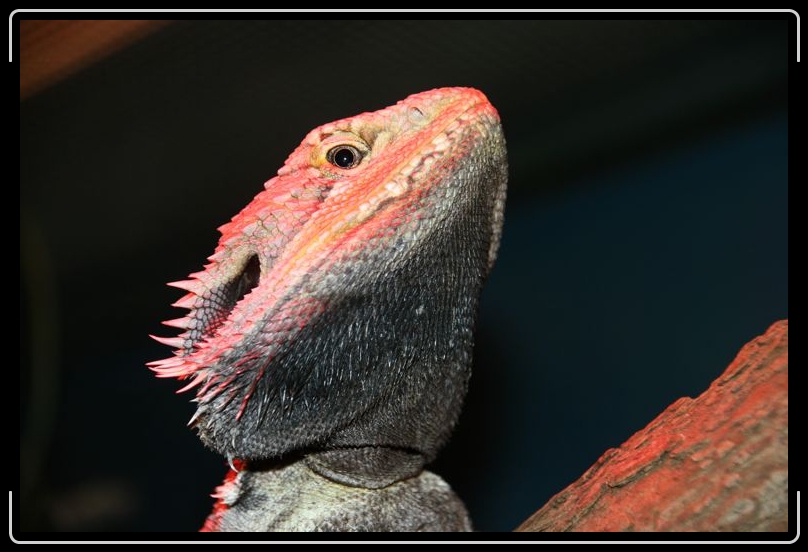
<point x="175" y="342"/>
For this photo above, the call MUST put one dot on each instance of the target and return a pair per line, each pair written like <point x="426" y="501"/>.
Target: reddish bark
<point x="715" y="463"/>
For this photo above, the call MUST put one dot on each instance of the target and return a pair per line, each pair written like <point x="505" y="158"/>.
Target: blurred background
<point x="645" y="241"/>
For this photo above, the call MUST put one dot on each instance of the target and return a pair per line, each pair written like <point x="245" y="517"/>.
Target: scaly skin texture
<point x="332" y="329"/>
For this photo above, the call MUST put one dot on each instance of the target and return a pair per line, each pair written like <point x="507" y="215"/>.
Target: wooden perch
<point x="715" y="463"/>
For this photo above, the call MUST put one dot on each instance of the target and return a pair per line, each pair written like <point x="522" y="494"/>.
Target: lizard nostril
<point x="416" y="115"/>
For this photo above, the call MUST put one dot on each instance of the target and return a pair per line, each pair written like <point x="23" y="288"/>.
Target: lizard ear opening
<point x="245" y="282"/>
<point x="223" y="299"/>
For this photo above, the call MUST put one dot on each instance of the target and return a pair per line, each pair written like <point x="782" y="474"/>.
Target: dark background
<point x="645" y="241"/>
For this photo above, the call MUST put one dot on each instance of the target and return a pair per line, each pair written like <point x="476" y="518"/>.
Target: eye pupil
<point x="344" y="157"/>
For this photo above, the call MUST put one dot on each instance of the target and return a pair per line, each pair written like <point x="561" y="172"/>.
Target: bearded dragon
<point x="329" y="339"/>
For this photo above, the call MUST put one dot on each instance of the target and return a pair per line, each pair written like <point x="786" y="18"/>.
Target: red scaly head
<point x="339" y="304"/>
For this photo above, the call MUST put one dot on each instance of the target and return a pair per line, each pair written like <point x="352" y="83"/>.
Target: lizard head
<point x="338" y="308"/>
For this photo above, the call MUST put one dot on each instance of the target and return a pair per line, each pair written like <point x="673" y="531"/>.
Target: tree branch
<point x="715" y="463"/>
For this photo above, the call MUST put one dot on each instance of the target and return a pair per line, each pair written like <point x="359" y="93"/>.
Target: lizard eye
<point x="344" y="156"/>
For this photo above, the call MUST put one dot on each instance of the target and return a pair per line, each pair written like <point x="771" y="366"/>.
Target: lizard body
<point x="331" y="331"/>
<point x="296" y="498"/>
